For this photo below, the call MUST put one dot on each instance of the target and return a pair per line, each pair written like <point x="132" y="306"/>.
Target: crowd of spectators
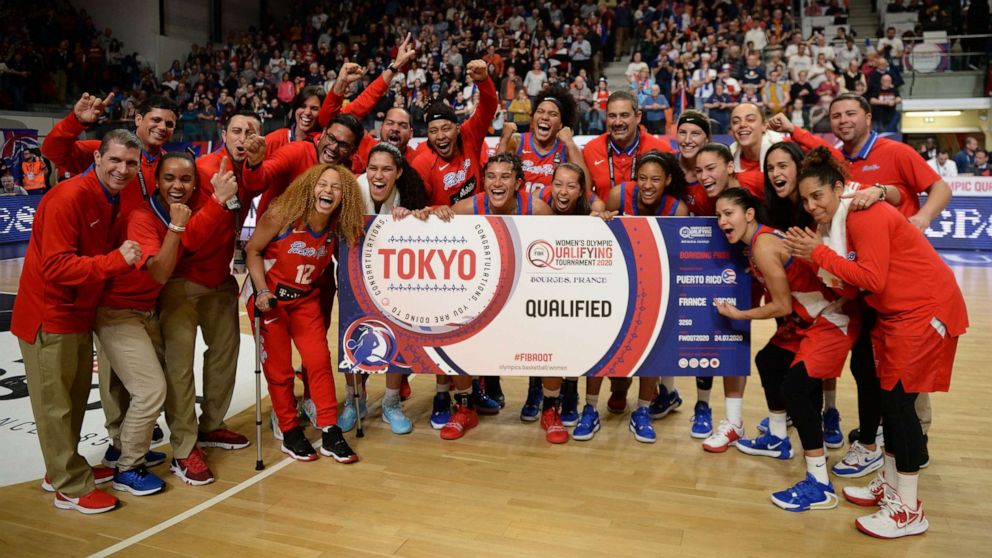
<point x="704" y="55"/>
<point x="969" y="160"/>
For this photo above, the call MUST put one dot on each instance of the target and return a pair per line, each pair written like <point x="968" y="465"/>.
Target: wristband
<point x="262" y="292"/>
<point x="176" y="228"/>
<point x="393" y="68"/>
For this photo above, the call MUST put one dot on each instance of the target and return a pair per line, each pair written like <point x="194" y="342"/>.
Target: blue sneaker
<point x="806" y="494"/>
<point x="767" y="445"/>
<point x="441" y="413"/>
<point x="139" y="481"/>
<point x="532" y="406"/>
<point x="348" y="418"/>
<point x="763" y="425"/>
<point x="393" y="415"/>
<point x="588" y="424"/>
<point x="152" y="458"/>
<point x="569" y="404"/>
<point x="664" y="403"/>
<point x="640" y="425"/>
<point x="832" y="436"/>
<point x="702" y="420"/>
<point x="484" y="405"/>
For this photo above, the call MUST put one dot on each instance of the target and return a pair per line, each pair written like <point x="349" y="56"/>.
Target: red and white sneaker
<point x="869" y="495"/>
<point x="193" y="470"/>
<point x="101" y="475"/>
<point x="461" y="420"/>
<point x="894" y="520"/>
<point x="97" y="501"/>
<point x="405" y="390"/>
<point x="223" y="439"/>
<point x="725" y="435"/>
<point x="551" y="423"/>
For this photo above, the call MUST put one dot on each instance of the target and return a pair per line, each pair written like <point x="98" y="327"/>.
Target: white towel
<point x="387" y="206"/>
<point x="768" y="139"/>
<point x="834" y="236"/>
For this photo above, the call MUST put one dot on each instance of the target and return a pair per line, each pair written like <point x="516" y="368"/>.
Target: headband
<point x="693" y="119"/>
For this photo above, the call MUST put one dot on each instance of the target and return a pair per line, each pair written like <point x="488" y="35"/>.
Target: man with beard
<point x="337" y="145"/>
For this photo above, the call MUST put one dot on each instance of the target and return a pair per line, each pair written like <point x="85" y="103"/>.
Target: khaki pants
<point x="184" y="305"/>
<point x="59" y="369"/>
<point x="114" y="398"/>
<point x="924" y="412"/>
<point x="132" y="342"/>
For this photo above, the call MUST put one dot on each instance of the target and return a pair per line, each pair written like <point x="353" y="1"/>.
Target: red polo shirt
<point x="622" y="160"/>
<point x="892" y="163"/>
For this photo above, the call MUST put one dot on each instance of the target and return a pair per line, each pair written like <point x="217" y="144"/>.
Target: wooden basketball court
<point x="503" y="491"/>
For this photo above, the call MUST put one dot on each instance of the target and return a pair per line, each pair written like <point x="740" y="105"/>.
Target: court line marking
<point x="175" y="520"/>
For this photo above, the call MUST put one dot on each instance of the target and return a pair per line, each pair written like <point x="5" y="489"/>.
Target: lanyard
<point x="633" y="161"/>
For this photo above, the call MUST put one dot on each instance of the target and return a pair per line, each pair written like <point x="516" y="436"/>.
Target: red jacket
<point x="276" y="173"/>
<point x="598" y="163"/>
<point x="69" y="257"/>
<point x="450" y="180"/>
<point x="75" y="156"/>
<point x="137" y="289"/>
<point x="903" y="276"/>
<point x="359" y="108"/>
<point x="210" y="264"/>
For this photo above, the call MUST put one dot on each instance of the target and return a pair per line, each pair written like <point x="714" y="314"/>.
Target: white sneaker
<point x="274" y="422"/>
<point x="859" y="461"/>
<point x="869" y="495"/>
<point x="894" y="520"/>
<point x="725" y="435"/>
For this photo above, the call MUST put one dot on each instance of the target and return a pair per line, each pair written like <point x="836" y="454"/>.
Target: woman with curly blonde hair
<point x="287" y="257"/>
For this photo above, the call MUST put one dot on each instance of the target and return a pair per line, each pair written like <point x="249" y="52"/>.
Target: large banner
<point x="13" y="144"/>
<point x="966" y="222"/>
<point x="533" y="296"/>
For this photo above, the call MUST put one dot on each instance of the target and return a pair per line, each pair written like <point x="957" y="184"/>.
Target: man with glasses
<point x="336" y="146"/>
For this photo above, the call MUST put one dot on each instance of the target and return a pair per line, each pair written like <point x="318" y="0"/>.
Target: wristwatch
<point x="884" y="191"/>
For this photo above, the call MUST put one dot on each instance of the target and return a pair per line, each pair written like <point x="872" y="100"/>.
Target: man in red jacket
<point x="155" y="123"/>
<point x="611" y="157"/>
<point x="67" y="262"/>
<point x="203" y="293"/>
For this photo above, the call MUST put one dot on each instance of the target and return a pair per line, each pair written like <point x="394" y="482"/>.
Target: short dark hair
<point x="718" y="149"/>
<point x="943" y="151"/>
<point x="184" y="155"/>
<point x="623" y="96"/>
<point x="508" y="158"/>
<point x="120" y="136"/>
<point x="849" y="96"/>
<point x="246" y="114"/>
<point x="158" y="102"/>
<point x="306" y="93"/>
<point x="350" y="122"/>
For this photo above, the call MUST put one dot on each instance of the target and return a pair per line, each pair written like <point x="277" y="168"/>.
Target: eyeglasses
<point x="341" y="144"/>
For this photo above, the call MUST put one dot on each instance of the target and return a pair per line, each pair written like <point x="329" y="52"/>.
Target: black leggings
<point x="789" y="388"/>
<point x="869" y="390"/>
<point x="773" y="362"/>
<point x="901" y="426"/>
<point x="704" y="383"/>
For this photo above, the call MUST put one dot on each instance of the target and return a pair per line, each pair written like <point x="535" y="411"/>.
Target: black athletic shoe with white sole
<point x="334" y="445"/>
<point x="296" y="445"/>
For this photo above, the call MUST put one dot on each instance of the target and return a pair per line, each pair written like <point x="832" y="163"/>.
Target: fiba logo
<point x="729" y="276"/>
<point x="369" y="346"/>
<point x="541" y="254"/>
<point x="696" y="232"/>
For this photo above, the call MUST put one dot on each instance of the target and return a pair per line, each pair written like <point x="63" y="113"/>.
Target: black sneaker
<point x="483" y="403"/>
<point x="157" y="434"/>
<point x="333" y="444"/>
<point x="296" y="445"/>
<point x="924" y="454"/>
<point x="490" y="384"/>
<point x="853" y="436"/>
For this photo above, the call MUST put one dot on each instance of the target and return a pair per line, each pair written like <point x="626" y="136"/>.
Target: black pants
<point x="704" y="383"/>
<point x="901" y="426"/>
<point x="789" y="388"/>
<point x="869" y="390"/>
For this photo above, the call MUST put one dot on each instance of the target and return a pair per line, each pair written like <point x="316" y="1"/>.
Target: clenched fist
<point x="179" y="214"/>
<point x="477" y="70"/>
<point x="131" y="251"/>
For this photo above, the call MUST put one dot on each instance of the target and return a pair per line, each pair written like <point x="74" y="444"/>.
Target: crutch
<point x="258" y="389"/>
<point x="357" y="400"/>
